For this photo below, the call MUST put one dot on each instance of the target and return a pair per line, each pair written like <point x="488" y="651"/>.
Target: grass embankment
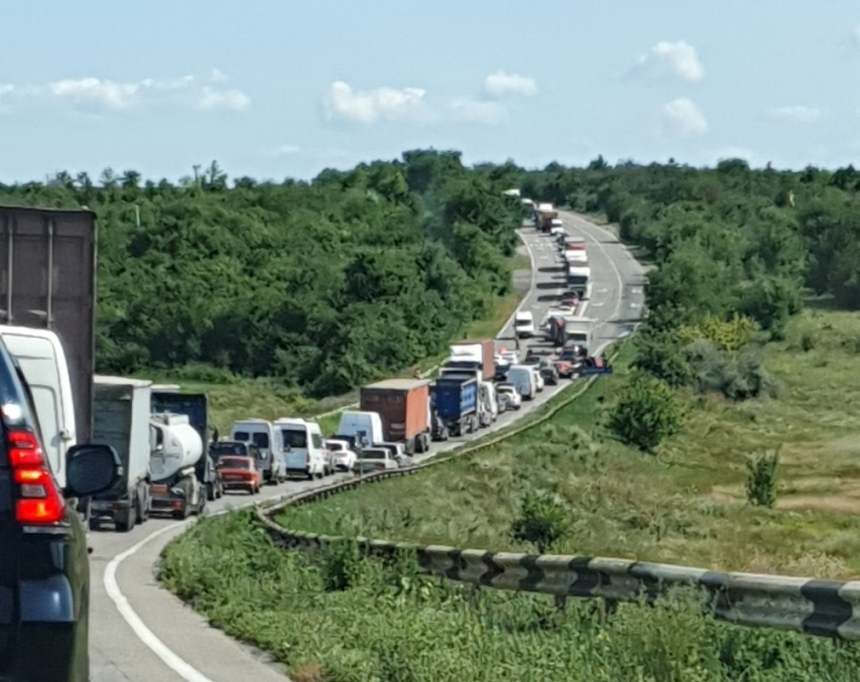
<point x="685" y="505"/>
<point x="347" y="620"/>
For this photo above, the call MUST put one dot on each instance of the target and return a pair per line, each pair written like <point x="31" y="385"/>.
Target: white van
<point x="305" y="452"/>
<point x="491" y="400"/>
<point x="43" y="362"/>
<point x="353" y="423"/>
<point x="265" y="436"/>
<point x="523" y="379"/>
<point x="524" y="324"/>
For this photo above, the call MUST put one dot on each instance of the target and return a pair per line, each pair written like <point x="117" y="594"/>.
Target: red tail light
<point x="39" y="500"/>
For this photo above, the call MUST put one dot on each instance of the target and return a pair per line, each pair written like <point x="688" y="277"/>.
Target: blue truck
<point x="455" y="405"/>
<point x="166" y="398"/>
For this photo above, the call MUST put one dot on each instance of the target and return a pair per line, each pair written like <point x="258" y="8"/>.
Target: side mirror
<point x="92" y="469"/>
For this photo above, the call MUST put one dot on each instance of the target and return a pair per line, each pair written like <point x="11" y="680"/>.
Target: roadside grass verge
<point x="685" y="505"/>
<point x="343" y="618"/>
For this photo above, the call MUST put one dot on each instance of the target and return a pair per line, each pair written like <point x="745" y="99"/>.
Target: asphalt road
<point x="140" y="633"/>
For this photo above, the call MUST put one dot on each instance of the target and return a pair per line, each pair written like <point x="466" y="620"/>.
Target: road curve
<point x="140" y="633"/>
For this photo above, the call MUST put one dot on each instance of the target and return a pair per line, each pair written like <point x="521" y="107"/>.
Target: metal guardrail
<point x="822" y="608"/>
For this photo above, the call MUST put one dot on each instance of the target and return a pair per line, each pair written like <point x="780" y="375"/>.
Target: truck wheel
<point x="210" y="491"/>
<point x="125" y="520"/>
<point x="202" y="508"/>
<point x="310" y="475"/>
<point x="182" y="513"/>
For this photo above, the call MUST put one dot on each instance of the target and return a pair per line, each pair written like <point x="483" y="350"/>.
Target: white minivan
<point x="305" y="451"/>
<point x="43" y="362"/>
<point x="523" y="379"/>
<point x="266" y="437"/>
<point x="524" y="324"/>
<point x="355" y="424"/>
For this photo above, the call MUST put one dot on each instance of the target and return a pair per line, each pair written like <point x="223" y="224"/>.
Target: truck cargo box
<point x="48" y="281"/>
<point x="469" y="348"/>
<point x="402" y="404"/>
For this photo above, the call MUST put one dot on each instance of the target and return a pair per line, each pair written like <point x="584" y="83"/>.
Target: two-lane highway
<point x="141" y="633"/>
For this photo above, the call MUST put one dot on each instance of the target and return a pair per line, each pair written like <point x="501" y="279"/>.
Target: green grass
<point x="685" y="505"/>
<point x="347" y="619"/>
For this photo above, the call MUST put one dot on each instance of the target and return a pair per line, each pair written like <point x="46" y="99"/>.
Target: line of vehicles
<point x="81" y="447"/>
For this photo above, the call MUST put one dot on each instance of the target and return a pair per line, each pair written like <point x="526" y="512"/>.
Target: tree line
<point x="323" y="284"/>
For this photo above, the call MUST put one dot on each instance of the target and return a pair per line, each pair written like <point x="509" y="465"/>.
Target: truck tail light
<point x="39" y="499"/>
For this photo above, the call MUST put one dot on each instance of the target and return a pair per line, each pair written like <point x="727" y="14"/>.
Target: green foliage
<point x="542" y="521"/>
<point x="647" y="412"/>
<point x="393" y="624"/>
<point x="762" y="479"/>
<point x="323" y="285"/>
<point x="736" y="375"/>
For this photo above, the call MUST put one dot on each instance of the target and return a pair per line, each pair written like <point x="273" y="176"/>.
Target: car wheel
<point x="310" y="475"/>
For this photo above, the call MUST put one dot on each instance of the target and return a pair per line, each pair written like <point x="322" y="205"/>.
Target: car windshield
<point x="234" y="463"/>
<point x="295" y="438"/>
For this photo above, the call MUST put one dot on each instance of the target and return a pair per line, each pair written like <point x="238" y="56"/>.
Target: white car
<point x="507" y="357"/>
<point x="375" y="459"/>
<point x="524" y="324"/>
<point x="342" y="457"/>
<point x="539" y="382"/>
<point x="509" y="396"/>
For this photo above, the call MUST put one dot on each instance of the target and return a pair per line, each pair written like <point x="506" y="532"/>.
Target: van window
<point x="243" y="436"/>
<point x="261" y="440"/>
<point x="316" y="439"/>
<point x="295" y="438"/>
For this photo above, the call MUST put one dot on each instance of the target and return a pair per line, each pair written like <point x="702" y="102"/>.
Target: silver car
<point x="375" y="459"/>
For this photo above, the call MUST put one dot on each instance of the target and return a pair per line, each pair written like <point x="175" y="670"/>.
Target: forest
<point x="357" y="274"/>
<point x="323" y="285"/>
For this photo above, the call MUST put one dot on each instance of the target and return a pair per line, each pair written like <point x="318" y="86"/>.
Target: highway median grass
<point x="686" y="504"/>
<point x="343" y="618"/>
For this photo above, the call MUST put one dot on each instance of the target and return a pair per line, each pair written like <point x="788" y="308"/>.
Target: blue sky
<point x="276" y="89"/>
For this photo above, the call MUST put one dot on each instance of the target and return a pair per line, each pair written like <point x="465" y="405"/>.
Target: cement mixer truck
<point x="176" y="450"/>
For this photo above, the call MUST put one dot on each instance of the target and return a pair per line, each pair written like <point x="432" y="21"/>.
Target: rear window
<point x="374" y="454"/>
<point x="15" y="400"/>
<point x="295" y="438"/>
<point x="334" y="446"/>
<point x="234" y="463"/>
<point x="229" y="449"/>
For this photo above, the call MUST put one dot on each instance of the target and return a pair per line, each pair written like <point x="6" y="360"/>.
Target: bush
<point x="660" y="354"/>
<point x="543" y="520"/>
<point x="737" y="376"/>
<point x="762" y="479"/>
<point x="646" y="414"/>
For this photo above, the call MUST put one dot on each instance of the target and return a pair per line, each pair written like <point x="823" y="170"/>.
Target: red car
<point x="241" y="473"/>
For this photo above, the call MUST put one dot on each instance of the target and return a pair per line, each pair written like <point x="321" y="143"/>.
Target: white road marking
<point x="144" y="634"/>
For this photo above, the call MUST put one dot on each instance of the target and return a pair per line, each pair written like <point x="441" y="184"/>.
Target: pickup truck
<point x="592" y="366"/>
<point x="568" y="363"/>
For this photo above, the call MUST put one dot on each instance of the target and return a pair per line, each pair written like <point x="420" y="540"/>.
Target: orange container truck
<point x="403" y="405"/>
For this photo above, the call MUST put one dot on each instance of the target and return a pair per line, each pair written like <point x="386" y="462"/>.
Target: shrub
<point x="660" y="354"/>
<point x="543" y="520"/>
<point x="736" y="375"/>
<point x="762" y="479"/>
<point x="646" y="413"/>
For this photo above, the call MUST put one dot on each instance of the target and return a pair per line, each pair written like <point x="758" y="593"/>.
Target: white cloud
<point x="217" y="76"/>
<point x="796" y="114"/>
<point x="225" y="99"/>
<point x="499" y="84"/>
<point x="107" y="93"/>
<point x="475" y="111"/>
<point x="684" y="117"/>
<point x="116" y="96"/>
<point x="680" y="58"/>
<point x="369" y="106"/>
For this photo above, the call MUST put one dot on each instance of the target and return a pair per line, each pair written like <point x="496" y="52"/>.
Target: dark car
<point x="44" y="563"/>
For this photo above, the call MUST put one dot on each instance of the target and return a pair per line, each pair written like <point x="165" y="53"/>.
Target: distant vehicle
<point x="239" y="473"/>
<point x="342" y="455"/>
<point x="549" y="373"/>
<point x="398" y="451"/>
<point x="268" y="440"/>
<point x="539" y="382"/>
<point x="595" y="365"/>
<point x="509" y="396"/>
<point x="523" y="377"/>
<point x="568" y="362"/>
<point x="304" y="447"/>
<point x="375" y="459"/>
<point x="220" y="448"/>
<point x="365" y="426"/>
<point x="524" y="324"/>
